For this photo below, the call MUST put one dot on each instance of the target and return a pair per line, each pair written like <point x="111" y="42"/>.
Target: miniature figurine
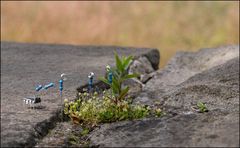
<point x="49" y="85"/>
<point x="110" y="74"/>
<point x="33" y="100"/>
<point x="63" y="78"/>
<point x="90" y="82"/>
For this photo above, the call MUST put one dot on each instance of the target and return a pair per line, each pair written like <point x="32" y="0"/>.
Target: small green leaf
<point x="129" y="76"/>
<point x="104" y="80"/>
<point x="127" y="62"/>
<point x="115" y="86"/>
<point x="118" y="63"/>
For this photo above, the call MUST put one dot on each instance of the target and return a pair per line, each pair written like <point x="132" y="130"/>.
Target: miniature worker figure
<point x="32" y="101"/>
<point x="110" y="74"/>
<point x="90" y="81"/>
<point x="49" y="86"/>
<point x="63" y="78"/>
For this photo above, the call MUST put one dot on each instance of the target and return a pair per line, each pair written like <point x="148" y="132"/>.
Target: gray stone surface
<point x="25" y="65"/>
<point x="210" y="76"/>
<point x="201" y="130"/>
<point x="142" y="66"/>
<point x="218" y="87"/>
<point x="154" y="57"/>
<point x="59" y="136"/>
<point x="183" y="66"/>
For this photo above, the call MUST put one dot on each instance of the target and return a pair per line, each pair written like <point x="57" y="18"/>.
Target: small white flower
<point x="65" y="100"/>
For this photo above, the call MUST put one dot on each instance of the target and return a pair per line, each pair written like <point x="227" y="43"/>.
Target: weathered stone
<point x="135" y="87"/>
<point x="59" y="136"/>
<point x="186" y="80"/>
<point x="154" y="57"/>
<point x="141" y="66"/>
<point x="218" y="87"/>
<point x="144" y="67"/>
<point x="145" y="78"/>
<point x="215" y="128"/>
<point x="23" y="66"/>
<point x="183" y="66"/>
<point x="210" y="76"/>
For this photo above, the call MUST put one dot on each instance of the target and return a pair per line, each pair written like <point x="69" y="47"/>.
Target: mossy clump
<point x="93" y="109"/>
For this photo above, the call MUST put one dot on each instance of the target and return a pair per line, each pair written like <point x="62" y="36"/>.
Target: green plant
<point x="102" y="109"/>
<point x="202" y="107"/>
<point x="119" y="75"/>
<point x="111" y="105"/>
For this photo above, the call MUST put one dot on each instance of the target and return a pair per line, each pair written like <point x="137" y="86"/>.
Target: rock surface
<point x="145" y="66"/>
<point x="210" y="76"/>
<point x="23" y="66"/>
<point x="183" y="66"/>
<point x="141" y="66"/>
<point x="65" y="134"/>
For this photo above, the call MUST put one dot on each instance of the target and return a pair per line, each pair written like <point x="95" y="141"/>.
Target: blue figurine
<point x="110" y="74"/>
<point x="110" y="77"/>
<point x="38" y="88"/>
<point x="90" y="81"/>
<point x="49" y="85"/>
<point x="61" y="85"/>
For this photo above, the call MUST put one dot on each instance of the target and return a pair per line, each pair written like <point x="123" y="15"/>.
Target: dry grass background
<point x="168" y="26"/>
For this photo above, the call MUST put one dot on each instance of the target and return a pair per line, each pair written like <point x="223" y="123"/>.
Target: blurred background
<point x="168" y="26"/>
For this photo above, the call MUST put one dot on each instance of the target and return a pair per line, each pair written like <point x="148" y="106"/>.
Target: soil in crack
<point x="65" y="134"/>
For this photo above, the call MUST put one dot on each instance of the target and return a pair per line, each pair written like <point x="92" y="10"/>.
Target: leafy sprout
<point x="120" y="74"/>
<point x="202" y="107"/>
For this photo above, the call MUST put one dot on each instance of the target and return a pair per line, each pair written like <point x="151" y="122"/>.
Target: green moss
<point x="103" y="109"/>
